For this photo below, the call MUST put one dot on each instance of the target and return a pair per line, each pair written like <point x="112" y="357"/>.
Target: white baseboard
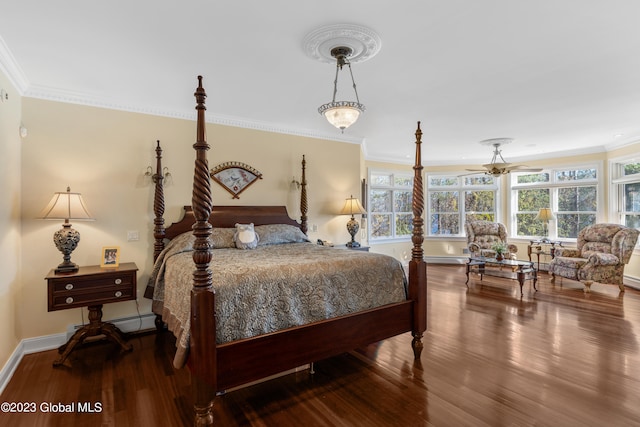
<point x="632" y="282"/>
<point x="50" y="342"/>
<point x="446" y="259"/>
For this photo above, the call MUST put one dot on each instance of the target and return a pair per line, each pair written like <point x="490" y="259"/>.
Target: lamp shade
<point x="352" y="206"/>
<point x="66" y="206"/>
<point x="545" y="214"/>
<point x="340" y="115"/>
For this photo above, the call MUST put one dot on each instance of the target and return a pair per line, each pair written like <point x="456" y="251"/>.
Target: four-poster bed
<point x="217" y="364"/>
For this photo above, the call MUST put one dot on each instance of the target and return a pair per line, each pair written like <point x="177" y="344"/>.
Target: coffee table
<point x="508" y="268"/>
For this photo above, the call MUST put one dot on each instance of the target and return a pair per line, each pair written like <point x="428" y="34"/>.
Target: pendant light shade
<point x="342" y="114"/>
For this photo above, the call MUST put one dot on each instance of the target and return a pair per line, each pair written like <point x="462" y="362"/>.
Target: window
<point x="626" y="192"/>
<point x="571" y="193"/>
<point x="453" y="200"/>
<point x="390" y="205"/>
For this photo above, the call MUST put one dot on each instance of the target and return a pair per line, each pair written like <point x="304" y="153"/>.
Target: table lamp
<point x="351" y="207"/>
<point x="545" y="215"/>
<point x="66" y="206"/>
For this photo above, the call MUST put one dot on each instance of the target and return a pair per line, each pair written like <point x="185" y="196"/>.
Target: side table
<point x="542" y="247"/>
<point x="91" y="287"/>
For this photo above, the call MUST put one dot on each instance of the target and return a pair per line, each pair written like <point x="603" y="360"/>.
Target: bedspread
<point x="274" y="287"/>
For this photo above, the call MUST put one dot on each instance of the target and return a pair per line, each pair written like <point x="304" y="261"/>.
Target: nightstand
<point x="359" y="248"/>
<point x="91" y="287"/>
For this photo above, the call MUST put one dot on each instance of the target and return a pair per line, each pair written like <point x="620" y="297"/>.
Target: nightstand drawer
<point x="66" y="300"/>
<point x="69" y="284"/>
<point x="91" y="286"/>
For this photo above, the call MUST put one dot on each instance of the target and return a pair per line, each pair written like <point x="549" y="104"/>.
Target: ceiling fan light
<point x="341" y="114"/>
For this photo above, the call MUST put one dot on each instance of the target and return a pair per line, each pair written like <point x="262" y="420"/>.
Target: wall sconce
<point x="295" y="184"/>
<point x="167" y="179"/>
<point x="352" y="207"/>
<point x="545" y="215"/>
<point x="66" y="206"/>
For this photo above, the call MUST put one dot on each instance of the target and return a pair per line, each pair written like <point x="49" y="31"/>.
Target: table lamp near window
<point x="351" y="207"/>
<point x="66" y="206"/>
<point x="545" y="215"/>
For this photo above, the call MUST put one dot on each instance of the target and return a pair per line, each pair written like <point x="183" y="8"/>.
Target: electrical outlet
<point x="314" y="228"/>
<point x="133" y="236"/>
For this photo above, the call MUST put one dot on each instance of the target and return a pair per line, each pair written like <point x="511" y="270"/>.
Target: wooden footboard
<point x="216" y="368"/>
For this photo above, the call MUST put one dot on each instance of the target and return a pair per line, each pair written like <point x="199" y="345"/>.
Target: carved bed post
<point x="158" y="221"/>
<point x="203" y="341"/>
<point x="417" y="266"/>
<point x="158" y="205"/>
<point x="303" y="198"/>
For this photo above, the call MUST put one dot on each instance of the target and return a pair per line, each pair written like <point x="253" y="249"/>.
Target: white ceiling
<point x="559" y="76"/>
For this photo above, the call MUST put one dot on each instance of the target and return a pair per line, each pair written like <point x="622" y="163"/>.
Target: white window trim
<point x="380" y="171"/>
<point x="615" y="179"/>
<point x="601" y="213"/>
<point x="462" y="235"/>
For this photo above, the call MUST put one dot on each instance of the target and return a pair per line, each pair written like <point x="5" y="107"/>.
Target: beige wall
<point x="103" y="154"/>
<point x="10" y="265"/>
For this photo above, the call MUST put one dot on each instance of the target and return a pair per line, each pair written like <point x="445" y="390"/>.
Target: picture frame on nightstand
<point x="110" y="257"/>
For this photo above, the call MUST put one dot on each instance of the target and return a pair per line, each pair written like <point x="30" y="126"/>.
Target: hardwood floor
<point x="556" y="357"/>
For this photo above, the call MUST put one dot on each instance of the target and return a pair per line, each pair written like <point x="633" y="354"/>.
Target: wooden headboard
<point x="228" y="216"/>
<point x="221" y="216"/>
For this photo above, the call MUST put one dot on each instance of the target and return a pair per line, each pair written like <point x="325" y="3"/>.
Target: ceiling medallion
<point x="363" y="42"/>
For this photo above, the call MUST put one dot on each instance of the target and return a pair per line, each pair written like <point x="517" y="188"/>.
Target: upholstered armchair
<point x="602" y="252"/>
<point x="482" y="235"/>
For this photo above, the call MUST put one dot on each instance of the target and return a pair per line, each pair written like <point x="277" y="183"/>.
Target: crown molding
<point x="10" y="68"/>
<point x="58" y="95"/>
<point x="274" y="128"/>
<point x="622" y="143"/>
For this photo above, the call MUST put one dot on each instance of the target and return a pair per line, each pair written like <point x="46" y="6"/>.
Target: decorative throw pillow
<point x="222" y="238"/>
<point x="275" y="234"/>
<point x="245" y="236"/>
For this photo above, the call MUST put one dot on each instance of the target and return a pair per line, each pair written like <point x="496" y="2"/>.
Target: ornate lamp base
<point x="353" y="227"/>
<point x="66" y="240"/>
<point x="67" y="267"/>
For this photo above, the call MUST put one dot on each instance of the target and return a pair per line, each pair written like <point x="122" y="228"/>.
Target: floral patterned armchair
<point x="602" y="252"/>
<point x="483" y="235"/>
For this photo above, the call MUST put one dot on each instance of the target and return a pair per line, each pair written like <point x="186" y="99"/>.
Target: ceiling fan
<point x="498" y="166"/>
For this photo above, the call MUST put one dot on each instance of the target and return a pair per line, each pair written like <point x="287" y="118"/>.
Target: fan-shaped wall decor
<point x="235" y="177"/>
